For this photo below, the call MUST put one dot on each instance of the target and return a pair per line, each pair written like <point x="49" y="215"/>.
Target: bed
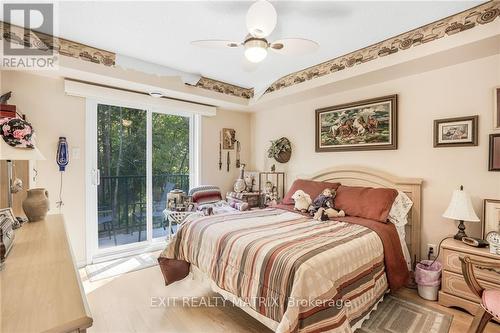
<point x="295" y="274"/>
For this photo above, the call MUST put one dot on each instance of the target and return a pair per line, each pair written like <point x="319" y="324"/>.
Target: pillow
<point x="311" y="187"/>
<point x="367" y="202"/>
<point x="205" y="194"/>
<point x="400" y="208"/>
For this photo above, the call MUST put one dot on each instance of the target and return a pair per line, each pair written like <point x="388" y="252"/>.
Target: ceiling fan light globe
<point x="256" y="49"/>
<point x="255" y="54"/>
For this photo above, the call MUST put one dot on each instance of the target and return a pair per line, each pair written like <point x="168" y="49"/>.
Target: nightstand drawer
<point x="455" y="284"/>
<point x="451" y="261"/>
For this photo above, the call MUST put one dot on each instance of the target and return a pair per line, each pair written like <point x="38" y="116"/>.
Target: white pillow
<point x="400" y="208"/>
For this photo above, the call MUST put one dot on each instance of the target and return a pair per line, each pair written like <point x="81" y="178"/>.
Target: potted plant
<point x="280" y="150"/>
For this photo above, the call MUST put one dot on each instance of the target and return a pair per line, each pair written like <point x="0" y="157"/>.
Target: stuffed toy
<point x="302" y="201"/>
<point x="322" y="207"/>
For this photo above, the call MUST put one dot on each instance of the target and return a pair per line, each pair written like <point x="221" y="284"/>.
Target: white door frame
<point x="93" y="253"/>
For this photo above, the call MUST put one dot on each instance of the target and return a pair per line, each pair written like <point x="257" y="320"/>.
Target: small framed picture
<point x="228" y="138"/>
<point x="456" y="132"/>
<point x="496" y="109"/>
<point x="494" y="155"/>
<point x="491" y="216"/>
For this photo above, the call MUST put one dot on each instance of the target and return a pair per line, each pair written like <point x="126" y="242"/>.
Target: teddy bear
<point x="322" y="207"/>
<point x="302" y="201"/>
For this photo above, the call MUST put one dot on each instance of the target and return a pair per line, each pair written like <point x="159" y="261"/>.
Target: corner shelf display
<point x="271" y="187"/>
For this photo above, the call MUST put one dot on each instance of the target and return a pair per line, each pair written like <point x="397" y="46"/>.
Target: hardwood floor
<point x="135" y="302"/>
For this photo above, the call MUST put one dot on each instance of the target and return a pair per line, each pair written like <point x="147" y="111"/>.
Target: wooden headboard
<point x="360" y="176"/>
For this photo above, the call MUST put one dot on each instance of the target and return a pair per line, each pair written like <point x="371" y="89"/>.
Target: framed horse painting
<point x="364" y="125"/>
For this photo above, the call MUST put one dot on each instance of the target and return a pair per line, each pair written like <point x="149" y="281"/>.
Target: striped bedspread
<point x="307" y="275"/>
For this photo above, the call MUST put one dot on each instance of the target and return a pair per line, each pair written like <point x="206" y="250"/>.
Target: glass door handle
<point x="96" y="175"/>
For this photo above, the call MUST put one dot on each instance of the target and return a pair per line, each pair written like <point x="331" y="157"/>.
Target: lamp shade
<point x="19" y="154"/>
<point x="460" y="208"/>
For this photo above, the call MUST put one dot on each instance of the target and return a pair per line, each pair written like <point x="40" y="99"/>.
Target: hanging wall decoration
<point x="220" y="151"/>
<point x="238" y="150"/>
<point x="280" y="150"/>
<point x="494" y="154"/>
<point x="362" y="125"/>
<point x="456" y="132"/>
<point x="62" y="160"/>
<point x="496" y="110"/>
<point x="228" y="138"/>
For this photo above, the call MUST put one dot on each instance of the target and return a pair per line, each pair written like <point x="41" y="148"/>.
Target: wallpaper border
<point x="468" y="19"/>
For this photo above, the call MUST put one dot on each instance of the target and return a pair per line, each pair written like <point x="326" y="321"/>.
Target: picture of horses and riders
<point x="364" y="125"/>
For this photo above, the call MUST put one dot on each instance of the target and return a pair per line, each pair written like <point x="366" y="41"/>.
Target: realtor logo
<point x="28" y="40"/>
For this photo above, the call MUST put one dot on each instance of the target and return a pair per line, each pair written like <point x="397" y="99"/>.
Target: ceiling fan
<point x="261" y="20"/>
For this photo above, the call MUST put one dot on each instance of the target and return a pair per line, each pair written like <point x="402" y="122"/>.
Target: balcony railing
<point x="122" y="206"/>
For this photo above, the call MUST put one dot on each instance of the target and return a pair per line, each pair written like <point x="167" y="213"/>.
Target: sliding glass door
<point x="121" y="161"/>
<point x="139" y="156"/>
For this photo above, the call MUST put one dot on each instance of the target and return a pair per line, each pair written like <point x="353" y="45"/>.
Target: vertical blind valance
<point x="135" y="99"/>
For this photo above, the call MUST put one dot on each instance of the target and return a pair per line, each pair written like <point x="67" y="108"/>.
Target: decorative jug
<point x="37" y="204"/>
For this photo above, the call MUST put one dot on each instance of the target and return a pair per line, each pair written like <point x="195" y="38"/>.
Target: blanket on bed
<point x="394" y="261"/>
<point x="306" y="275"/>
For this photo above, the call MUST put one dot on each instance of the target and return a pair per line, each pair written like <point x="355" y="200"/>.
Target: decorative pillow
<point x="367" y="202"/>
<point x="205" y="194"/>
<point x="311" y="187"/>
<point x="400" y="208"/>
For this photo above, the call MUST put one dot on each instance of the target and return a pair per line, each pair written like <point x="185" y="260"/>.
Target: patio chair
<point x="105" y="218"/>
<point x="490" y="299"/>
<point x="158" y="207"/>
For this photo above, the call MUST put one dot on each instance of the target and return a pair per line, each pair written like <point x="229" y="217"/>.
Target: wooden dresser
<point x="454" y="291"/>
<point x="40" y="287"/>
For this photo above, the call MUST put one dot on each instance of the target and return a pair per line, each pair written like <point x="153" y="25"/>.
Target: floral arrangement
<point x="17" y="132"/>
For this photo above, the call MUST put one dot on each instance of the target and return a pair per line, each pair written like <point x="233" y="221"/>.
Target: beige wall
<point x="211" y="127"/>
<point x="460" y="90"/>
<point x="54" y="114"/>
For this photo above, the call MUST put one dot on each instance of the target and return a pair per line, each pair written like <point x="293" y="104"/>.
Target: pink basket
<point x="427" y="274"/>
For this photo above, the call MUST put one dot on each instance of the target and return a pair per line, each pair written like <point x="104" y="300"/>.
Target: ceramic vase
<point x="36" y="205"/>
<point x="240" y="185"/>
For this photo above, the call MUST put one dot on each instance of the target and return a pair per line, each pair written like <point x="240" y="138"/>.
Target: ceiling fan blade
<point x="261" y="19"/>
<point x="215" y="43"/>
<point x="294" y="46"/>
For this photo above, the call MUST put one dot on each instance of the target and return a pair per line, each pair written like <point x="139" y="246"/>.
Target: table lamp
<point x="9" y="154"/>
<point x="460" y="208"/>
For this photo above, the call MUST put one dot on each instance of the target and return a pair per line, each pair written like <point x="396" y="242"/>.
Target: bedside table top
<point x="459" y="246"/>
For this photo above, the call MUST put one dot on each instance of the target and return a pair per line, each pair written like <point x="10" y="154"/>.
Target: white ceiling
<point x="160" y="32"/>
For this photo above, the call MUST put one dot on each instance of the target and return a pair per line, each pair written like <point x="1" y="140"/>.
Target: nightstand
<point x="454" y="291"/>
